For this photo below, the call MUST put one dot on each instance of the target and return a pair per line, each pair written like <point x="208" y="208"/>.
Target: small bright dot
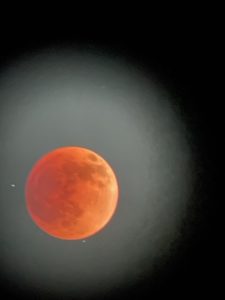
<point x="13" y="185"/>
<point x="84" y="241"/>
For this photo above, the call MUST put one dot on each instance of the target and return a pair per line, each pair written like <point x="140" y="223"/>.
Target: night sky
<point x="138" y="102"/>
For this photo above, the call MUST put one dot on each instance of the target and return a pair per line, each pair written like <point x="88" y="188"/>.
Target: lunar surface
<point x="71" y="193"/>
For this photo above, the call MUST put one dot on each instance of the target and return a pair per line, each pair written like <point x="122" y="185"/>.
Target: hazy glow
<point x="65" y="98"/>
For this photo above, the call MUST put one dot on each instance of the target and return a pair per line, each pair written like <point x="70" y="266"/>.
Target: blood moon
<point x="71" y="193"/>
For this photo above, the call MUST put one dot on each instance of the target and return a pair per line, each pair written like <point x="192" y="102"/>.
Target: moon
<point x="71" y="193"/>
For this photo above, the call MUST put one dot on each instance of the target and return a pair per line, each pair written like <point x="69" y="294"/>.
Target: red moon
<point x="71" y="193"/>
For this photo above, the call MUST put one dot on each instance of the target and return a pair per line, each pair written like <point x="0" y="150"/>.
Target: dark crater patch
<point x="44" y="212"/>
<point x="92" y="157"/>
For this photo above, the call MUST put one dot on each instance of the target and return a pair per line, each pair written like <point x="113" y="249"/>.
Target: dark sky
<point x="137" y="101"/>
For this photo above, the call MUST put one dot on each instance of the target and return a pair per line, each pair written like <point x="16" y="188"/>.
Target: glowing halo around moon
<point x="71" y="193"/>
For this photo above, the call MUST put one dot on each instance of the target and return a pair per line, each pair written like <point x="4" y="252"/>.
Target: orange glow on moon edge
<point x="71" y="193"/>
